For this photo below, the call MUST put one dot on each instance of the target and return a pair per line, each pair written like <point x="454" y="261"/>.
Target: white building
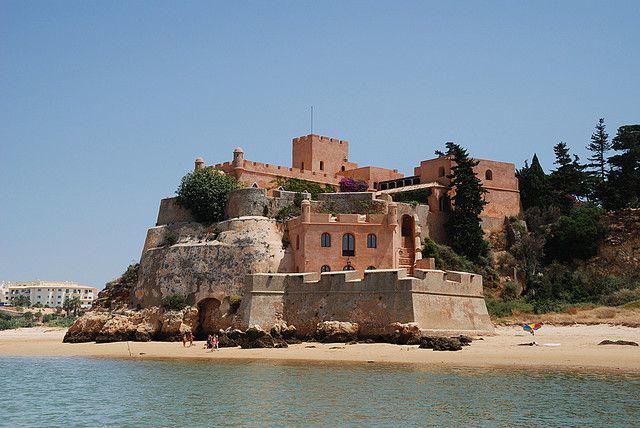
<point x="49" y="293"/>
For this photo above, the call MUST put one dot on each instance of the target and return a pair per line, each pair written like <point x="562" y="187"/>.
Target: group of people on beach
<point x="212" y="341"/>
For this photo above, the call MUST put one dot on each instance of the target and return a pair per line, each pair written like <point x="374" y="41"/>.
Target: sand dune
<point x="567" y="347"/>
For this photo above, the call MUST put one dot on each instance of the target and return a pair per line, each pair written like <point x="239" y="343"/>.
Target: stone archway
<point x="210" y="317"/>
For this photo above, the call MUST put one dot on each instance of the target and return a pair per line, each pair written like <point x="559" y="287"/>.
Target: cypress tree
<point x="568" y="181"/>
<point x="599" y="146"/>
<point x="623" y="186"/>
<point x="463" y="229"/>
<point x="533" y="184"/>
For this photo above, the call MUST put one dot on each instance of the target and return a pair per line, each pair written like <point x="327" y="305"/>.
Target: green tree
<point x="569" y="180"/>
<point x="576" y="235"/>
<point x="71" y="304"/>
<point x="21" y="301"/>
<point x="533" y="184"/>
<point x="204" y="192"/>
<point x="463" y="229"/>
<point x="623" y="186"/>
<point x="597" y="168"/>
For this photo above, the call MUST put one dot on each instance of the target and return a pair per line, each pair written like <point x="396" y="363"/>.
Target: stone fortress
<point x="346" y="257"/>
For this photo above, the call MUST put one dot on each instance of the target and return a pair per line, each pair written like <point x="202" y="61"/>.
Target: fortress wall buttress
<point x="443" y="302"/>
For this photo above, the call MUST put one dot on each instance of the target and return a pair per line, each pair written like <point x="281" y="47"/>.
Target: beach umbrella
<point x="532" y="327"/>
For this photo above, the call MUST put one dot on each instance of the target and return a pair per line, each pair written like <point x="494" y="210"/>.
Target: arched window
<point x="372" y="241"/>
<point x="297" y="242"/>
<point x="371" y="268"/>
<point x="348" y="267"/>
<point x="441" y="171"/>
<point x="348" y="245"/>
<point x="325" y="268"/>
<point x="302" y="166"/>
<point x="343" y="168"/>
<point x="325" y="240"/>
<point x="321" y="166"/>
<point x="488" y="175"/>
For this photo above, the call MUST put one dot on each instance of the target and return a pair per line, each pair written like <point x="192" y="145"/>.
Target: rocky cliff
<point x="619" y="251"/>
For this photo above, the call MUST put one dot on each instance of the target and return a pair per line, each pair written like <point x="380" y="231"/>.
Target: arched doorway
<point x="407" y="249"/>
<point x="210" y="317"/>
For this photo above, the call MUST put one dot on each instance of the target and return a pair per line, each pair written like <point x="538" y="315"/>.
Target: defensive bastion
<point x="439" y="302"/>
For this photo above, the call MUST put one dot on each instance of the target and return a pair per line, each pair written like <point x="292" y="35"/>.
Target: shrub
<point x="510" y="291"/>
<point x="620" y="297"/>
<point x="169" y="240"/>
<point x="234" y="303"/>
<point x="204" y="192"/>
<point x="174" y="302"/>
<point x="413" y="197"/>
<point x="503" y="308"/>
<point x="350" y="185"/>
<point x="287" y="212"/>
<point x="301" y="186"/>
<point x="61" y="322"/>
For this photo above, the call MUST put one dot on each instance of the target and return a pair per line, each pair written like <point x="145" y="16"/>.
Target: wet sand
<point x="559" y="347"/>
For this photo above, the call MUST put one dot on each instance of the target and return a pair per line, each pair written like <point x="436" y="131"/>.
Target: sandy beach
<point x="559" y="347"/>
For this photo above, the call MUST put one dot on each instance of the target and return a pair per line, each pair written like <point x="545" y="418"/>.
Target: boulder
<point x="285" y="332"/>
<point x="256" y="337"/>
<point x="337" y="331"/>
<point x="440" y="343"/>
<point x="402" y="333"/>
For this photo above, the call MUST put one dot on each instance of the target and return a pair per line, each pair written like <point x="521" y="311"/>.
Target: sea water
<point x="46" y="392"/>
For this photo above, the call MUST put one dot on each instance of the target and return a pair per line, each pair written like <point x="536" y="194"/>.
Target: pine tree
<point x="568" y="181"/>
<point x="623" y="185"/>
<point x="598" y="147"/>
<point x="463" y="227"/>
<point x="533" y="184"/>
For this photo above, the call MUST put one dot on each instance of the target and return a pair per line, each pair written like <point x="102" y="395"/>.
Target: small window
<point x="372" y="241"/>
<point x="441" y="171"/>
<point x="371" y="268"/>
<point x="488" y="175"/>
<point x="302" y="166"/>
<point x="325" y="240"/>
<point x="297" y="242"/>
<point x="325" y="268"/>
<point x="348" y="267"/>
<point x="348" y="245"/>
<point x="343" y="168"/>
<point x="321" y="166"/>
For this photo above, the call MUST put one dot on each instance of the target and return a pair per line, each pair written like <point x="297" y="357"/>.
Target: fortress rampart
<point x="439" y="302"/>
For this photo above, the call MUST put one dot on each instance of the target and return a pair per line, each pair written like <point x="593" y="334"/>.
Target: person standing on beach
<point x="215" y="342"/>
<point x="184" y="340"/>
<point x="190" y="339"/>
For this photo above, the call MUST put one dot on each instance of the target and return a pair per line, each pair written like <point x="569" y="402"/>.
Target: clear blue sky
<point x="105" y="105"/>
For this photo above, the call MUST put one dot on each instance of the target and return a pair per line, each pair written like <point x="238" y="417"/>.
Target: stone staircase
<point x="406" y="260"/>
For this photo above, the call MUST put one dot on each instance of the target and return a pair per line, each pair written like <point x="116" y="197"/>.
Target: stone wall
<point x="170" y="212"/>
<point x="440" y="302"/>
<point x="201" y="262"/>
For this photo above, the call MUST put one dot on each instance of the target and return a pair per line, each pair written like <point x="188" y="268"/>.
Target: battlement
<point x="438" y="301"/>
<point x="311" y="137"/>
<point x="374" y="281"/>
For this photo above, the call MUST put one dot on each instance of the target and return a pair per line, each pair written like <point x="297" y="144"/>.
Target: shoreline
<point x="560" y="348"/>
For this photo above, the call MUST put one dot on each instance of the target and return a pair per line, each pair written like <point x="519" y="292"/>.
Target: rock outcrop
<point x="403" y="333"/>
<point x="117" y="293"/>
<point x="140" y="326"/>
<point x="337" y="331"/>
<point x="618" y="342"/>
<point x="441" y="343"/>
